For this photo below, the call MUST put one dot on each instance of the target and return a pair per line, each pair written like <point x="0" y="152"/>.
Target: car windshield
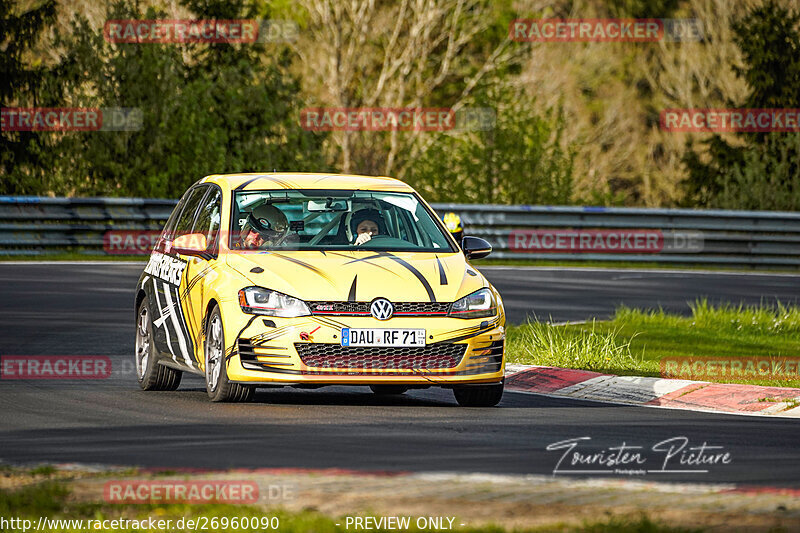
<point x="334" y="220"/>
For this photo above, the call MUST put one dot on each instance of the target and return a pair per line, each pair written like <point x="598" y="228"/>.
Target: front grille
<point x="320" y="355"/>
<point x="362" y="308"/>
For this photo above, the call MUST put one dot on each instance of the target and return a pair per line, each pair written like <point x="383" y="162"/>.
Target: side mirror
<point x="190" y="244"/>
<point x="475" y="247"/>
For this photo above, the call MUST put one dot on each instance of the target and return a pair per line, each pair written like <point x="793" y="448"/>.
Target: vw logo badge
<point x="381" y="308"/>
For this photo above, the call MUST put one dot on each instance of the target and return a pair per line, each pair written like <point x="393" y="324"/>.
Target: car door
<point x="172" y="336"/>
<point x="200" y="270"/>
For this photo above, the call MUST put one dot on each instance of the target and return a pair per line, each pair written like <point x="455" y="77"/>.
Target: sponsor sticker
<point x="164" y="267"/>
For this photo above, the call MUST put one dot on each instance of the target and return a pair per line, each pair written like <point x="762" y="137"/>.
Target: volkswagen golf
<point x="307" y="280"/>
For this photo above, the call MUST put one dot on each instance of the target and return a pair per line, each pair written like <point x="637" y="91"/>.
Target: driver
<point x="366" y="224"/>
<point x="264" y="227"/>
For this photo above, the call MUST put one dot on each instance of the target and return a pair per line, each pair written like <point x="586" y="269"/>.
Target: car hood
<point x="361" y="276"/>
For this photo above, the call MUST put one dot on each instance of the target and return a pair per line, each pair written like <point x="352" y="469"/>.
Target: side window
<point x="167" y="234"/>
<point x="186" y="219"/>
<point x="208" y="217"/>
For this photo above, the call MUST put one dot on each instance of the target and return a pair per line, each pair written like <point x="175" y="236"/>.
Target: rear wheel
<point x="217" y="384"/>
<point x="479" y="395"/>
<point x="387" y="390"/>
<point x="151" y="375"/>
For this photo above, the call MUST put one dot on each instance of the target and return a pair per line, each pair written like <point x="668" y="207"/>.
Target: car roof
<point x="301" y="180"/>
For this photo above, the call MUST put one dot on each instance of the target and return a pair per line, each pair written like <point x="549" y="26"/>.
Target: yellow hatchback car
<point x="307" y="280"/>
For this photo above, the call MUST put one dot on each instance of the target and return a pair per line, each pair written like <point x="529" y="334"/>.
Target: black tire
<point x="150" y="374"/>
<point x="388" y="390"/>
<point x="217" y="385"/>
<point x="479" y="395"/>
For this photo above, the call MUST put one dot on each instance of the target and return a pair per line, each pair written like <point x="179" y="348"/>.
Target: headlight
<point x="479" y="304"/>
<point x="258" y="301"/>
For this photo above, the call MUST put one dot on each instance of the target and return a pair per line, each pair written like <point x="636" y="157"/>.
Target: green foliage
<point x="43" y="498"/>
<point x="206" y="108"/>
<point x="520" y="160"/>
<point x="592" y="348"/>
<point x="762" y="171"/>
<point x="769" y="37"/>
<point x="643" y="8"/>
<point x="635" y="340"/>
<point x="20" y="86"/>
<point x="766" y="178"/>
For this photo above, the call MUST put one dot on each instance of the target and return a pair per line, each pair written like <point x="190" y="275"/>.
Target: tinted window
<point x="192" y="203"/>
<point x="169" y="227"/>
<point x="208" y="217"/>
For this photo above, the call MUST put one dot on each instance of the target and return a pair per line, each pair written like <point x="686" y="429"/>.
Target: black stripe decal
<point x="369" y="257"/>
<point x="195" y="279"/>
<point x="284" y="184"/>
<point x="325" y="321"/>
<point x="184" y="324"/>
<point x="442" y="275"/>
<point x="236" y="340"/>
<point x="246" y="183"/>
<point x="303" y="264"/>
<point x="418" y="274"/>
<point x="351" y="297"/>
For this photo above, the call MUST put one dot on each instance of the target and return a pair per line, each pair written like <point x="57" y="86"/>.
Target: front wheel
<point x="217" y="384"/>
<point x="479" y="395"/>
<point x="150" y="374"/>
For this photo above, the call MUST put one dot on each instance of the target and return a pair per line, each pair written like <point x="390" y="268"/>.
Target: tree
<point x="759" y="170"/>
<point x="411" y="53"/>
<point x="21" y="153"/>
<point x="520" y="160"/>
<point x="205" y="108"/>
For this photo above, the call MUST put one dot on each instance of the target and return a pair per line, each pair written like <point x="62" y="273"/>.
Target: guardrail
<point x="39" y="225"/>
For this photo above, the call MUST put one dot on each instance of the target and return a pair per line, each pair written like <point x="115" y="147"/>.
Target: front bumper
<point x="306" y="350"/>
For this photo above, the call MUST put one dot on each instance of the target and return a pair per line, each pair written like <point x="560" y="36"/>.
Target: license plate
<point x="382" y="337"/>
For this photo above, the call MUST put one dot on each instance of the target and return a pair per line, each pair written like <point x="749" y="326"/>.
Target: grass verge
<point x="634" y="342"/>
<point x="52" y="499"/>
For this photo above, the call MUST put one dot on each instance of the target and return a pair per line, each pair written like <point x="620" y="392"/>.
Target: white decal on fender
<point x="162" y="319"/>
<point x="166" y="268"/>
<point x="171" y="307"/>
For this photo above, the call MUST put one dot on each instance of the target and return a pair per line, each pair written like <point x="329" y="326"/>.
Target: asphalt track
<point x="85" y="309"/>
